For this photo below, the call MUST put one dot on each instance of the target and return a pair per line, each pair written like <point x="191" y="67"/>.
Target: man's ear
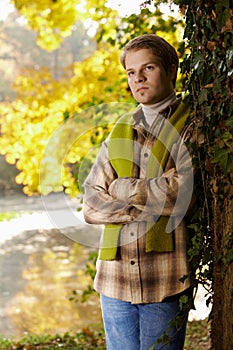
<point x="172" y="71"/>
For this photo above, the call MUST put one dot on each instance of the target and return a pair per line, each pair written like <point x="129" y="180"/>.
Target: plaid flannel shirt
<point x="138" y="276"/>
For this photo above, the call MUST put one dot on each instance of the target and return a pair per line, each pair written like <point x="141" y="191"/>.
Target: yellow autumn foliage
<point x="53" y="128"/>
<point x="48" y="129"/>
<point x="53" y="20"/>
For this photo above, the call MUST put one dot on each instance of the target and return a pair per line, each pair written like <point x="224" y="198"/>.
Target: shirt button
<point x="131" y="233"/>
<point x="145" y="155"/>
<point x="132" y="262"/>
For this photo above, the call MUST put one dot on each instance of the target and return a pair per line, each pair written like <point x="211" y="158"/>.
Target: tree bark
<point x="222" y="315"/>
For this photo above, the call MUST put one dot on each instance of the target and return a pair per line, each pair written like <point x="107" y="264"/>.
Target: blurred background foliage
<point x="58" y="60"/>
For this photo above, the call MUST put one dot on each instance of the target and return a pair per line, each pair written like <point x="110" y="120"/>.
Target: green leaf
<point x="227" y="138"/>
<point x="224" y="158"/>
<point x="229" y="122"/>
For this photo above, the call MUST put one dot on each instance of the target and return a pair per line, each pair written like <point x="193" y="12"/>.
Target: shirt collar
<point x="139" y="118"/>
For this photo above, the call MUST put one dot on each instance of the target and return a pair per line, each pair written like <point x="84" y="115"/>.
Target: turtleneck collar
<point x="151" y="111"/>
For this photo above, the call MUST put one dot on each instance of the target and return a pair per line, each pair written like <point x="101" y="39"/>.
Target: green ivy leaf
<point x="224" y="158"/>
<point x="229" y="122"/>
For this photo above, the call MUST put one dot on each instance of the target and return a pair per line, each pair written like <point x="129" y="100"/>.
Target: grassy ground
<point x="197" y="339"/>
<point x="198" y="336"/>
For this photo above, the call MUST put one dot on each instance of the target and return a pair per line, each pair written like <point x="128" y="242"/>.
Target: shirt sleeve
<point x="100" y="207"/>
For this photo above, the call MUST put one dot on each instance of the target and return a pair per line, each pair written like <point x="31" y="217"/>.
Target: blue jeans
<point x="138" y="326"/>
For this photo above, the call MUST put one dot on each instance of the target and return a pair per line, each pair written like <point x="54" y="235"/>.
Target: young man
<point x="140" y="188"/>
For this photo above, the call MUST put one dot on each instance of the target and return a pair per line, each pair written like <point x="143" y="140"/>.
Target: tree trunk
<point x="222" y="317"/>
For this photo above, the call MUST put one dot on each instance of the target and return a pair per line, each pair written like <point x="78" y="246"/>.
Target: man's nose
<point x="139" y="77"/>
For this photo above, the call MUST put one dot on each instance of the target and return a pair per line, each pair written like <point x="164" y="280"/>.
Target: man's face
<point x="147" y="78"/>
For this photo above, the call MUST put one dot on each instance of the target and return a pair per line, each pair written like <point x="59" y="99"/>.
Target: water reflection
<point x="39" y="271"/>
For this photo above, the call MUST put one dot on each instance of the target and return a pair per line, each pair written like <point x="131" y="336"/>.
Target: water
<point x="43" y="254"/>
<point x="41" y="264"/>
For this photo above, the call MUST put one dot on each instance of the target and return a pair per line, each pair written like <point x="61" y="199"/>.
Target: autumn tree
<point x="52" y="20"/>
<point x="19" y="51"/>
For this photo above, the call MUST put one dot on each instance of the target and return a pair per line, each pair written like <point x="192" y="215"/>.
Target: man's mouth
<point x="142" y="88"/>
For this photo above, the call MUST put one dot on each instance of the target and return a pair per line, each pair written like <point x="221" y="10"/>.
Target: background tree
<point x="20" y="51"/>
<point x="52" y="20"/>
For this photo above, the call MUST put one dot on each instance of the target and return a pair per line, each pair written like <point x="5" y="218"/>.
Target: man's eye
<point x="130" y="74"/>
<point x="148" y="68"/>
